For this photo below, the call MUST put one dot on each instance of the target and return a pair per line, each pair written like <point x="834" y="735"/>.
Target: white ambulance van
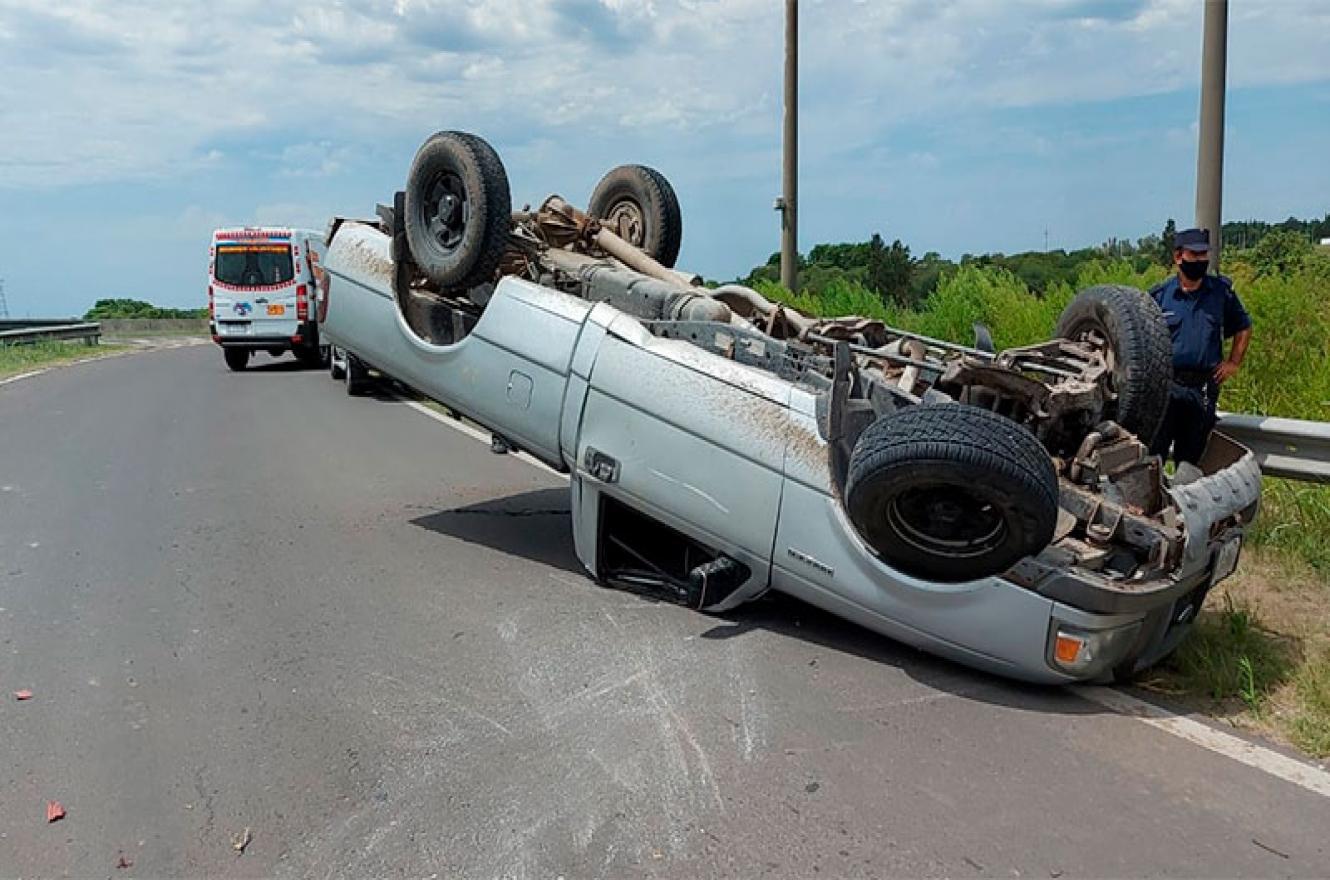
<point x="262" y="294"/>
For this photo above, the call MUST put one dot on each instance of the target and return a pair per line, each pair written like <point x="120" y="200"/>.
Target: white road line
<point x="476" y="434"/>
<point x="22" y="376"/>
<point x="1310" y="777"/>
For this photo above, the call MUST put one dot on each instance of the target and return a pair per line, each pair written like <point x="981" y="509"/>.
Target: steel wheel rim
<point x="446" y="211"/>
<point x="947" y="521"/>
<point x="625" y="220"/>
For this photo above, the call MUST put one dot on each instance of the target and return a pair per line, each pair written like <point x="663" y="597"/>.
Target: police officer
<point x="1202" y="311"/>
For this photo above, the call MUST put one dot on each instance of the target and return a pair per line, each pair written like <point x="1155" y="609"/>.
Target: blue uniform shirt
<point x="1201" y="320"/>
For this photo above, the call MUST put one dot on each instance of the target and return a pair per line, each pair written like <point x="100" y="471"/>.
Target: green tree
<point x="1281" y="252"/>
<point x="1166" y="242"/>
<point x="1321" y="228"/>
<point x="889" y="269"/>
<point x="928" y="272"/>
<point x="110" y="309"/>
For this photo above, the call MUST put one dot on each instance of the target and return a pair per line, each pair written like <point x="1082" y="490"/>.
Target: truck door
<point x="690" y="439"/>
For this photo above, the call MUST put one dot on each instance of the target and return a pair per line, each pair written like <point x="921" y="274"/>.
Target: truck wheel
<point x="458" y="211"/>
<point x="336" y="364"/>
<point x="638" y="204"/>
<point x="951" y="492"/>
<point x="357" y="377"/>
<point x="309" y="358"/>
<point x="1140" y="351"/>
<point x="236" y="358"/>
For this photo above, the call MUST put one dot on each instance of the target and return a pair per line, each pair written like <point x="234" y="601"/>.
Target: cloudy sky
<point x="130" y="129"/>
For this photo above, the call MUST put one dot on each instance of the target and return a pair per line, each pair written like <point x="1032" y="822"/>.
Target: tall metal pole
<point x="1210" y="150"/>
<point x="789" y="218"/>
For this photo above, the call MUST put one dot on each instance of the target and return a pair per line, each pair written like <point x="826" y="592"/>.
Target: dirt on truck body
<point x="948" y="465"/>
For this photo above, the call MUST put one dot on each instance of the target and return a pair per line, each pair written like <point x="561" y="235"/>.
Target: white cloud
<point x="94" y="91"/>
<point x="314" y="159"/>
<point x="290" y="214"/>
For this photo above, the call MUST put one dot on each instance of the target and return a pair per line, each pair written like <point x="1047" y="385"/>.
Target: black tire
<point x="638" y="204"/>
<point x="356" y="375"/>
<point x="458" y="210"/>
<point x="309" y="358"/>
<point x="337" y="373"/>
<point x="1133" y="325"/>
<point x="236" y="358"/>
<point x="951" y="492"/>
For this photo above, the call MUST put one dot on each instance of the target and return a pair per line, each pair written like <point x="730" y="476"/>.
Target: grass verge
<point x="15" y="359"/>
<point x="1259" y="656"/>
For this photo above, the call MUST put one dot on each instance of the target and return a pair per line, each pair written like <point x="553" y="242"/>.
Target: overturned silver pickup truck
<point x="996" y="508"/>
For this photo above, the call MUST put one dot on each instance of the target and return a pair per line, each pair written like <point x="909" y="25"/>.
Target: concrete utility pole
<point x="789" y="203"/>
<point x="1210" y="150"/>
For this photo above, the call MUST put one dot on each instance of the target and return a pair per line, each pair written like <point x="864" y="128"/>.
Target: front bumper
<point x="1215" y="510"/>
<point x="1127" y="643"/>
<point x="1006" y="624"/>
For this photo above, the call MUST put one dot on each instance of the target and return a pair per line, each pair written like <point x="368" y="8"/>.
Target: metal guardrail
<point x="89" y="332"/>
<point x="1290" y="448"/>
<point x="28" y="323"/>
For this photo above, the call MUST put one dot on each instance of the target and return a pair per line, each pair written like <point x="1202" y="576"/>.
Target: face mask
<point x="1194" y="270"/>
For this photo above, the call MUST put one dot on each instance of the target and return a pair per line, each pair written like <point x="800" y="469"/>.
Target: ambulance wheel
<point x="309" y="358"/>
<point x="236" y="358"/>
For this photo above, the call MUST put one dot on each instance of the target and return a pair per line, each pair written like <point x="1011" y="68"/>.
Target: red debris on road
<point x="54" y="812"/>
<point x="24" y="694"/>
<point x="124" y="862"/>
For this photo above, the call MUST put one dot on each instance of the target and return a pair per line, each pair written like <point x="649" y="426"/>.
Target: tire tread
<point x="493" y="211"/>
<point x="976" y="442"/>
<point x="1144" y="351"/>
<point x="661" y="205"/>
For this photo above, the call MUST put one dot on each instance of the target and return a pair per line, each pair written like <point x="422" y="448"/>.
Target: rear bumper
<point x="306" y="336"/>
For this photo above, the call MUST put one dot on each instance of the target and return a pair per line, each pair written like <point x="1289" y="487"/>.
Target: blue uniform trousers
<point x="1192" y="402"/>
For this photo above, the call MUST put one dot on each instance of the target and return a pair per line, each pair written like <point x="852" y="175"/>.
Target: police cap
<point x="1197" y="240"/>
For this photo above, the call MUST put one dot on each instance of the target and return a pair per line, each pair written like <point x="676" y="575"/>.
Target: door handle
<point x="600" y="466"/>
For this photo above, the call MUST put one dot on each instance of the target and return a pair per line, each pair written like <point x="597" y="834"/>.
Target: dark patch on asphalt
<point x="504" y="513"/>
<point x="533" y="525"/>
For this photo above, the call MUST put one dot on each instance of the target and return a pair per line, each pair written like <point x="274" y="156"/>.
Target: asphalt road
<point x="251" y="602"/>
